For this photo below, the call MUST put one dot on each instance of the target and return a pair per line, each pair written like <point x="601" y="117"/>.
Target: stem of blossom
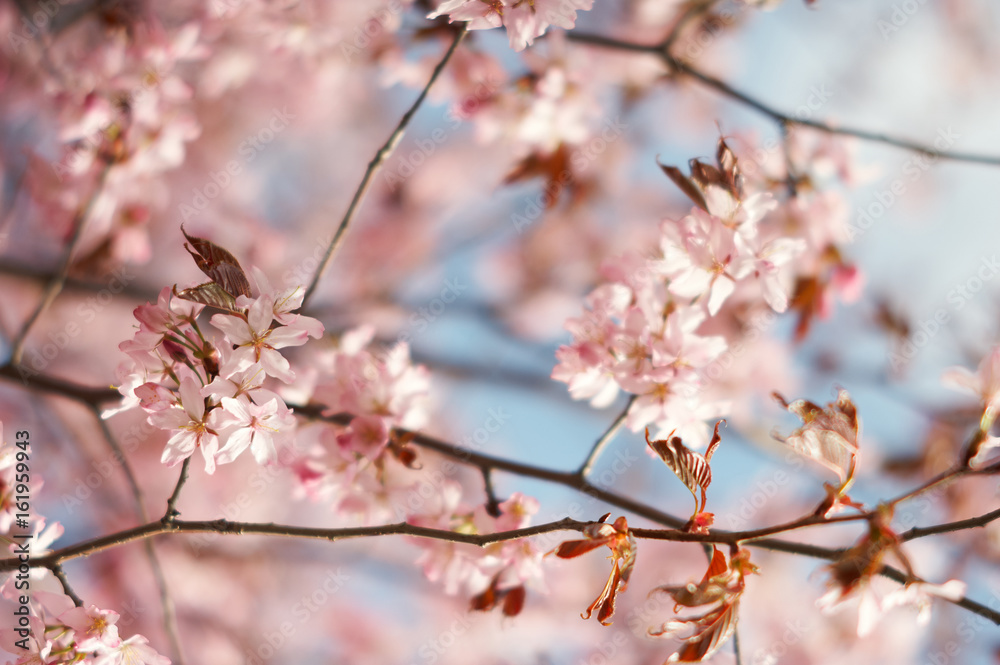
<point x="67" y="589"/>
<point x="791" y="177"/>
<point x="374" y="165"/>
<point x="940" y="479"/>
<point x="59" y="280"/>
<point x="605" y="439"/>
<point x="727" y="90"/>
<point x="492" y="505"/>
<point x="171" y="511"/>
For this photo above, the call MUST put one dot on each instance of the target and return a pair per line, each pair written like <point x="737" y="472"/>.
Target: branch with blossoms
<point x="211" y="392"/>
<point x="237" y="367"/>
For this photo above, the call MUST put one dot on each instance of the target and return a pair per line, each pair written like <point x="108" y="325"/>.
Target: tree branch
<point x="374" y="165"/>
<point x="55" y="286"/>
<point x="723" y="88"/>
<point x="605" y="439"/>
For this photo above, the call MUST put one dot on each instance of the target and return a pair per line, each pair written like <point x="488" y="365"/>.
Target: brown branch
<point x="67" y="589"/>
<point x="950" y="527"/>
<point x="171" y="511"/>
<point x="723" y="88"/>
<point x="56" y="284"/>
<point x="373" y="166"/>
<point x="43" y="383"/>
<point x="226" y="527"/>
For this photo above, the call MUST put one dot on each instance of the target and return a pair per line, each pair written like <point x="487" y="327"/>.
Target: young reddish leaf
<point x="574" y="548"/>
<point x="513" y="602"/>
<point x="623" y="551"/>
<point x="828" y="435"/>
<point x="690" y="467"/>
<point x="686" y="185"/>
<point x="510" y="600"/>
<point x="210" y="294"/>
<point x="605" y="603"/>
<point x="727" y="162"/>
<point x="220" y="266"/>
<point x="721" y="588"/>
<point x="713" y="629"/>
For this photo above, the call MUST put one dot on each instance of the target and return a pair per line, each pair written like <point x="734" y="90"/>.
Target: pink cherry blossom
<point x="984" y="383"/>
<point x="192" y="427"/>
<point x="248" y="425"/>
<point x="95" y="628"/>
<point x="258" y="342"/>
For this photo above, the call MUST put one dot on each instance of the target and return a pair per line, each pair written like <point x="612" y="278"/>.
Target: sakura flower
<point x="284" y="303"/>
<point x="529" y="19"/>
<point x="984" y="384"/>
<point x="167" y="314"/>
<point x="95" y="628"/>
<point x="192" y="427"/>
<point x="258" y="427"/>
<point x="133" y="651"/>
<point x="525" y="20"/>
<point x="258" y="342"/>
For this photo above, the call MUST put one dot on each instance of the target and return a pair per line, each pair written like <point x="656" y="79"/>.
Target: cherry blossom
<point x="193" y="427"/>
<point x="244" y="424"/>
<point x="525" y="20"/>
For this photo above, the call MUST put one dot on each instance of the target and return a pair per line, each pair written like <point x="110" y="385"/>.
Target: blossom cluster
<point x="61" y="632"/>
<point x="364" y="466"/>
<point x="525" y="20"/>
<point x="660" y="320"/>
<point x="210" y="391"/>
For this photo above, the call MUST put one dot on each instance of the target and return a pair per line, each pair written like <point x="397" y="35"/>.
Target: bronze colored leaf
<point x="686" y="185"/>
<point x="690" y="467"/>
<point x="220" y="266"/>
<point x="210" y="294"/>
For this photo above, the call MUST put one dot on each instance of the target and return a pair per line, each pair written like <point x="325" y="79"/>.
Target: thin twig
<point x="226" y="527"/>
<point x="696" y="9"/>
<point x="166" y="600"/>
<point x="374" y="165"/>
<point x="67" y="589"/>
<point x="55" y="286"/>
<point x="492" y="504"/>
<point x="47" y="384"/>
<point x="709" y="81"/>
<point x="950" y="527"/>
<point x="605" y="439"/>
<point x="171" y="511"/>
